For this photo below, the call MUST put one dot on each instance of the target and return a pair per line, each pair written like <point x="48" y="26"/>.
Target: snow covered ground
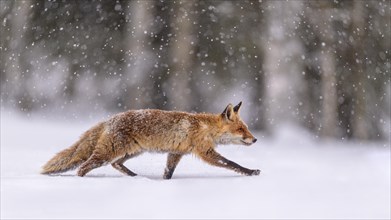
<point x="301" y="178"/>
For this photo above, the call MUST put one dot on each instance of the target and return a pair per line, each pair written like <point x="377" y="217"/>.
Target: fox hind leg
<point x="119" y="164"/>
<point x="172" y="162"/>
<point x="93" y="162"/>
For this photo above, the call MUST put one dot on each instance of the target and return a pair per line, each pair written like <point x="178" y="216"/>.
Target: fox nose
<point x="254" y="140"/>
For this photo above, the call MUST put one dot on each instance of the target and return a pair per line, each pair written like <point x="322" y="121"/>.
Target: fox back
<point x="172" y="131"/>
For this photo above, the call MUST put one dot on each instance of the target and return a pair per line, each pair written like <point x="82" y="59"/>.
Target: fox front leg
<point x="214" y="158"/>
<point x="172" y="162"/>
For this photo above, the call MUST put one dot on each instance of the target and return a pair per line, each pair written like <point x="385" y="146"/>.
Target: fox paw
<point x="166" y="177"/>
<point x="255" y="172"/>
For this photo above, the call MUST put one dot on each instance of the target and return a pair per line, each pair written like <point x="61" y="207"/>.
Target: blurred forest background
<point x="323" y="65"/>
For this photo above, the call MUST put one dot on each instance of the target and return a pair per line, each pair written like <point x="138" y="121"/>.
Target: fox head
<point x="234" y="130"/>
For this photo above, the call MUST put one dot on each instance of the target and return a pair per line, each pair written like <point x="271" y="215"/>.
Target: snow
<point x="301" y="177"/>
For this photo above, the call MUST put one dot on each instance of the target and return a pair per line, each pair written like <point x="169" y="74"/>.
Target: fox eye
<point x="241" y="130"/>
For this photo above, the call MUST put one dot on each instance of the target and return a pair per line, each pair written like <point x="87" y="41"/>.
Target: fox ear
<point x="228" y="112"/>
<point x="237" y="107"/>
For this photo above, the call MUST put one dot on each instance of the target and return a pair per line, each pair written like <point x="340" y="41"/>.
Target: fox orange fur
<point x="131" y="133"/>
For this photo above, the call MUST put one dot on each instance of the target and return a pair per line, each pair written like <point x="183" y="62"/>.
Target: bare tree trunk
<point x="329" y="93"/>
<point x="258" y="121"/>
<point x="181" y="54"/>
<point x="5" y="38"/>
<point x="71" y="80"/>
<point x="161" y="68"/>
<point x="283" y="72"/>
<point x="138" y="56"/>
<point x="16" y="67"/>
<point x="360" y="124"/>
<point x="324" y="22"/>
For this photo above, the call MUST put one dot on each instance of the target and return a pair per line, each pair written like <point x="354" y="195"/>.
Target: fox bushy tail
<point x="76" y="154"/>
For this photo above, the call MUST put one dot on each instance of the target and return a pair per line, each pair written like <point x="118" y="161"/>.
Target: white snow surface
<point x="301" y="177"/>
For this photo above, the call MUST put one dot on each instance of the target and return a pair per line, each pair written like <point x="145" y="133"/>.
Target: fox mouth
<point x="245" y="143"/>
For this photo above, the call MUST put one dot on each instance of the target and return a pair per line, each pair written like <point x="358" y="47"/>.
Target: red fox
<point x="128" y="134"/>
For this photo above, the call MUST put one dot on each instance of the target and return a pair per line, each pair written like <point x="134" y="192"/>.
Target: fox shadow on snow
<point x="154" y="177"/>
